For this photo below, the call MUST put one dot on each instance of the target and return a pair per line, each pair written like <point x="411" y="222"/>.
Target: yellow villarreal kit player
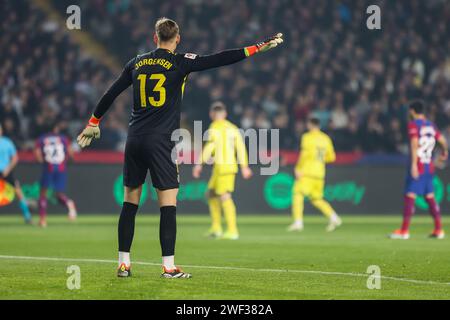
<point x="226" y="146"/>
<point x="316" y="151"/>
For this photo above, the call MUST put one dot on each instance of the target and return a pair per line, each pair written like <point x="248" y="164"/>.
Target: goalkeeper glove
<point x="92" y="131"/>
<point x="265" y="45"/>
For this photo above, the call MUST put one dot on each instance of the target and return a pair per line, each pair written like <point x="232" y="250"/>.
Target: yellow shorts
<point x="309" y="187"/>
<point x="221" y="183"/>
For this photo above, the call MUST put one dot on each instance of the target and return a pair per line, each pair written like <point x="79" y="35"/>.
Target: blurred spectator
<point x="44" y="76"/>
<point x="248" y="119"/>
<point x="261" y="121"/>
<point x="373" y="133"/>
<point x="339" y="118"/>
<point x="395" y="137"/>
<point x="323" y="113"/>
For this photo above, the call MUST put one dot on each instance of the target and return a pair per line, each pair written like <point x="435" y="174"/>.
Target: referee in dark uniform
<point x="158" y="78"/>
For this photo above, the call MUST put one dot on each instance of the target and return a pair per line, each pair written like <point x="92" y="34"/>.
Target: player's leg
<point x="435" y="212"/>
<point x="317" y="200"/>
<point x="45" y="183"/>
<point x="215" y="212"/>
<point x="126" y="227"/>
<point x="408" y="212"/>
<point x="328" y="211"/>
<point x="167" y="200"/>
<point x="22" y="200"/>
<point x="65" y="201"/>
<point x="229" y="211"/>
<point x="134" y="174"/>
<point x="224" y="189"/>
<point x="433" y="207"/>
<point x="60" y="179"/>
<point x="413" y="187"/>
<point x="42" y="205"/>
<point x="165" y="179"/>
<point x="298" y="200"/>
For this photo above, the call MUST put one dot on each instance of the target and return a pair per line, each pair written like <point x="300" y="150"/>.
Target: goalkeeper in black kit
<point x="158" y="78"/>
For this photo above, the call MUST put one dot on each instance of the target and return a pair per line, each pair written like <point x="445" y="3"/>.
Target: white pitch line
<point x="332" y="273"/>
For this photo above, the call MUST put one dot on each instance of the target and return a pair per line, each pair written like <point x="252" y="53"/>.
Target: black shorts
<point x="152" y="153"/>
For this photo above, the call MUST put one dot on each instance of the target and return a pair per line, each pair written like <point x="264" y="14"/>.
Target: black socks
<point x="126" y="226"/>
<point x="168" y="230"/>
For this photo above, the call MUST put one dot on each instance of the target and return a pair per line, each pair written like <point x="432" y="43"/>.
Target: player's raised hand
<point x="92" y="131"/>
<point x="270" y="43"/>
<point x="265" y="45"/>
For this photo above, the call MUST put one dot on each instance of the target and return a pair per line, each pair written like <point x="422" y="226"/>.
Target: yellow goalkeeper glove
<point x="265" y="45"/>
<point x="92" y="131"/>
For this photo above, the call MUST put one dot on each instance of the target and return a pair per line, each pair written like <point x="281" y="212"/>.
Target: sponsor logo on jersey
<point x="190" y="56"/>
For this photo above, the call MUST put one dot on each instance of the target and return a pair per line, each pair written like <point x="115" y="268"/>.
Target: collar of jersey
<point x="169" y="51"/>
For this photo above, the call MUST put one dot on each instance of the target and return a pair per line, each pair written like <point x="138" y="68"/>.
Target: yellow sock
<point x="215" y="212"/>
<point x="297" y="206"/>
<point x="229" y="210"/>
<point x="324" y="207"/>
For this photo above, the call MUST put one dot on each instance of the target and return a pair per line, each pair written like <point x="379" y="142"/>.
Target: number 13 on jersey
<point x="159" y="88"/>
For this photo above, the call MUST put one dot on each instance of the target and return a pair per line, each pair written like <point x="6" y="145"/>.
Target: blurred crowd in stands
<point x="355" y="80"/>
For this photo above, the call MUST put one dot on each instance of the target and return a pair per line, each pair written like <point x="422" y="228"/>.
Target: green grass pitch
<point x="266" y="263"/>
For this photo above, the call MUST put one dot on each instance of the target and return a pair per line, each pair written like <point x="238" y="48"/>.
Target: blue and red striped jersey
<point x="427" y="134"/>
<point x="54" y="151"/>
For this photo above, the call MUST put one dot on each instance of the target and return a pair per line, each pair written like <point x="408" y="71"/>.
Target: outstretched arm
<point x="120" y="84"/>
<point x="194" y="63"/>
<point x="200" y="63"/>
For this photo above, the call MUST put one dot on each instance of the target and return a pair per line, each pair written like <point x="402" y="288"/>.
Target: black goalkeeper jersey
<point x="158" y="78"/>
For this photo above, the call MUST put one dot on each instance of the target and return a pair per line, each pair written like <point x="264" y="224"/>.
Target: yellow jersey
<point x="226" y="146"/>
<point x="316" y="150"/>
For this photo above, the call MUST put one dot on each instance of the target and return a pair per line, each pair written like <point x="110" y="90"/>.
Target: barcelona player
<point x="226" y="146"/>
<point x="158" y="79"/>
<point x="53" y="150"/>
<point x="8" y="162"/>
<point x="423" y="136"/>
<point x="316" y="151"/>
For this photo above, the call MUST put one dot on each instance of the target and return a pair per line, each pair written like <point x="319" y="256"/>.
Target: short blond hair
<point x="166" y="29"/>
